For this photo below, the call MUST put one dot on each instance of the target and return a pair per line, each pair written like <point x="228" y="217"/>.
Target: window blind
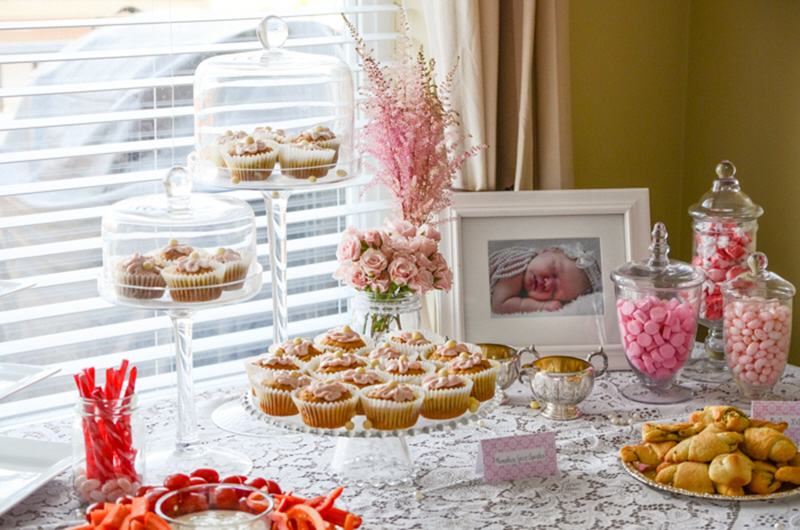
<point x="91" y="120"/>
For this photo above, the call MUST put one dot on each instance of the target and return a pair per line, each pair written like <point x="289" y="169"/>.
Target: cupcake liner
<point x="252" y="167"/>
<point x="327" y="415"/>
<point x="301" y="164"/>
<point x="334" y="144"/>
<point x="235" y="272"/>
<point x="313" y="364"/>
<point x="435" y="339"/>
<point x="274" y="401"/>
<point x="387" y="415"/>
<point x="140" y="287"/>
<point x="195" y="287"/>
<point x="484" y="382"/>
<point x="409" y="379"/>
<point x="360" y="406"/>
<point x="447" y="403"/>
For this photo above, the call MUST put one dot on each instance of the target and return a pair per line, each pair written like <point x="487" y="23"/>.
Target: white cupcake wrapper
<point x="484" y="382"/>
<point x="301" y="164"/>
<point x="252" y="167"/>
<point x="447" y="403"/>
<point x="334" y="144"/>
<point x="389" y="415"/>
<point x="328" y="415"/>
<point x="409" y="379"/>
<point x="195" y="287"/>
<point x="274" y="401"/>
<point x="313" y="364"/>
<point x="148" y="287"/>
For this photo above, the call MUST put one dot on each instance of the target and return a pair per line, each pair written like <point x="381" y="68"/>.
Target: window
<point x="96" y="109"/>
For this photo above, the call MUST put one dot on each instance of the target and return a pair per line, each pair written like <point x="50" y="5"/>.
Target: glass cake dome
<point x="273" y="119"/>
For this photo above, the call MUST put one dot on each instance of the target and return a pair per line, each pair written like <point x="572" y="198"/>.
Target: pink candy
<point x="721" y="251"/>
<point x="658" y="335"/>
<point x="757" y="335"/>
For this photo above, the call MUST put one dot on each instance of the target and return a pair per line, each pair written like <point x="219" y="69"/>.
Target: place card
<point x="778" y="411"/>
<point x="513" y="457"/>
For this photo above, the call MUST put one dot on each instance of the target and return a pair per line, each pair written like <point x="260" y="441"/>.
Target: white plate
<point x="26" y="465"/>
<point x="15" y="377"/>
<point x="8" y="287"/>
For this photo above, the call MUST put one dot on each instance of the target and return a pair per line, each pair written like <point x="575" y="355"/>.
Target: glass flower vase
<point x="377" y="313"/>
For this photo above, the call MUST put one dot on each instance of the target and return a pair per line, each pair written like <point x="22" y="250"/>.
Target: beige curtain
<point x="511" y="88"/>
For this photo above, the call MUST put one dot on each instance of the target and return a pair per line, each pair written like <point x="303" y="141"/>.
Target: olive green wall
<point x="664" y="90"/>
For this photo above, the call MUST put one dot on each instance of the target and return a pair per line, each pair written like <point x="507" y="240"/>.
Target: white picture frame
<point x="479" y="223"/>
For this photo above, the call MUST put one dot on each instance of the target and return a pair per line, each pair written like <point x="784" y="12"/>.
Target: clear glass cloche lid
<point x="725" y="199"/>
<point x="273" y="118"/>
<point x="758" y="282"/>
<point x="658" y="272"/>
<point x="179" y="249"/>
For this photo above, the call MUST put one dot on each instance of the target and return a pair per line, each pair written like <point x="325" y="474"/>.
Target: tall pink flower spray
<point x="412" y="130"/>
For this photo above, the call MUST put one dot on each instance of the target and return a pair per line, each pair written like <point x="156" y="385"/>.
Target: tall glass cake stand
<point x="205" y="222"/>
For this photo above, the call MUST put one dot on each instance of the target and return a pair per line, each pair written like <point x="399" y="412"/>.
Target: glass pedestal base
<point x="642" y="393"/>
<point x="165" y="462"/>
<point x="232" y="417"/>
<point x="377" y="462"/>
<point x="710" y="366"/>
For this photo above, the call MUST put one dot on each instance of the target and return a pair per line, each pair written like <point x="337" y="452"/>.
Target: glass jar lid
<point x="725" y="199"/>
<point x="758" y="281"/>
<point x="658" y="271"/>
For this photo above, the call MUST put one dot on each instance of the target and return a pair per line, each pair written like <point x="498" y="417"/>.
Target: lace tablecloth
<point x="590" y="490"/>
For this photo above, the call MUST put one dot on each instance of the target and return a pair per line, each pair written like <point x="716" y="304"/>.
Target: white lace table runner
<point x="591" y="489"/>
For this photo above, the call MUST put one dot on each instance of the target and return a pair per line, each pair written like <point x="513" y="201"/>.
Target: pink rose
<point x="350" y="231"/>
<point x="424" y="245"/>
<point x="422" y="282"/>
<point x="381" y="283"/>
<point x="349" y="248"/>
<point x="401" y="228"/>
<point x="429" y="232"/>
<point x="373" y="262"/>
<point x="444" y="279"/>
<point x="438" y="261"/>
<point x="341" y="272"/>
<point x="356" y="278"/>
<point x="373" y="238"/>
<point x="398" y="245"/>
<point x="402" y="270"/>
<point x="424" y="263"/>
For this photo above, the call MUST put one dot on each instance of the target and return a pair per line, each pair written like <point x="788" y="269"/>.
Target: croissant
<point x="732" y="491"/>
<point x="763" y="480"/>
<point x="763" y="443"/>
<point x="733" y="418"/>
<point x="704" y="447"/>
<point x="732" y="469"/>
<point x="662" y="448"/>
<point x="652" y="432"/>
<point x="788" y="474"/>
<point x="780" y="427"/>
<point x="691" y="476"/>
<point x="643" y="453"/>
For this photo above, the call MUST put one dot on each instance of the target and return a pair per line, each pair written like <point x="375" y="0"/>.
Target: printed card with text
<point x="513" y="457"/>
<point x="779" y="411"/>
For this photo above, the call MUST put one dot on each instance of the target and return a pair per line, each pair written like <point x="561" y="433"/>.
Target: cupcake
<point x="386" y="351"/>
<point x="220" y="144"/>
<point x="172" y="252"/>
<point x="343" y="338"/>
<point x="360" y="378"/>
<point x="305" y="160"/>
<point x="268" y="363"/>
<point x="446" y="395"/>
<point x="482" y="372"/>
<point x="332" y="364"/>
<point x="416" y="341"/>
<point x="404" y="370"/>
<point x="392" y="405"/>
<point x="326" y="404"/>
<point x="139" y="277"/>
<point x="301" y="349"/>
<point x="235" y="268"/>
<point x="447" y="352"/>
<point x="250" y="160"/>
<point x="275" y="392"/>
<point x="273" y="135"/>
<point x="194" y="279"/>
<point x="321" y="136"/>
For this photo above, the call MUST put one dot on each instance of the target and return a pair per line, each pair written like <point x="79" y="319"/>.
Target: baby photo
<point x="545" y="277"/>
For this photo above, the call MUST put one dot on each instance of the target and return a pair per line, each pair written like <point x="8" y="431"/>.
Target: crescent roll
<point x="665" y="432"/>
<point x="704" y="447"/>
<point x="764" y="480"/>
<point x="690" y="476"/>
<point x="732" y="469"/>
<point x="733" y="418"/>
<point x="763" y="443"/>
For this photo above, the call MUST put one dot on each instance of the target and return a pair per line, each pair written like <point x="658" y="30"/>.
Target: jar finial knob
<point x="757" y="263"/>
<point x="272" y="31"/>
<point x="659" y="249"/>
<point x="726" y="169"/>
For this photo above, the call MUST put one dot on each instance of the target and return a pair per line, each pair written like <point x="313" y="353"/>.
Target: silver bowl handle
<point x="602" y="354"/>
<point x="525" y="367"/>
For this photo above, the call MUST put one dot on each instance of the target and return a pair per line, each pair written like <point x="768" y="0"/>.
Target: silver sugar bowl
<point x="509" y="359"/>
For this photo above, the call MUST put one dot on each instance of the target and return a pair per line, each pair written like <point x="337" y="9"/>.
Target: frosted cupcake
<point x="405" y="370"/>
<point x="235" y="268"/>
<point x="139" y="277"/>
<point x="194" y="279"/>
<point x="275" y="392"/>
<point x="173" y="251"/>
<point x="267" y="364"/>
<point x="392" y="405"/>
<point x="482" y="372"/>
<point x="278" y="136"/>
<point x="449" y="351"/>
<point x="446" y="395"/>
<point x="332" y="364"/>
<point x="299" y="348"/>
<point x="250" y="160"/>
<point x="321" y="136"/>
<point x="386" y="352"/>
<point x="343" y="338"/>
<point x="220" y="144"/>
<point x="361" y="378"/>
<point x="326" y="404"/>
<point x="305" y="160"/>
<point x="421" y="342"/>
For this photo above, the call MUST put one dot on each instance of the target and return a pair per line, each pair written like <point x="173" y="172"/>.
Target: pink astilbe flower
<point x="412" y="131"/>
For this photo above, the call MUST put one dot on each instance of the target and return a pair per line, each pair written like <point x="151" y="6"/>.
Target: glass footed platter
<point x="344" y="170"/>
<point x="423" y="425"/>
<point x="630" y="467"/>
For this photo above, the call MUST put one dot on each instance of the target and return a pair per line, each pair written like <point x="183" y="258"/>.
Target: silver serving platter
<point x="632" y="471"/>
<point x="423" y="426"/>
